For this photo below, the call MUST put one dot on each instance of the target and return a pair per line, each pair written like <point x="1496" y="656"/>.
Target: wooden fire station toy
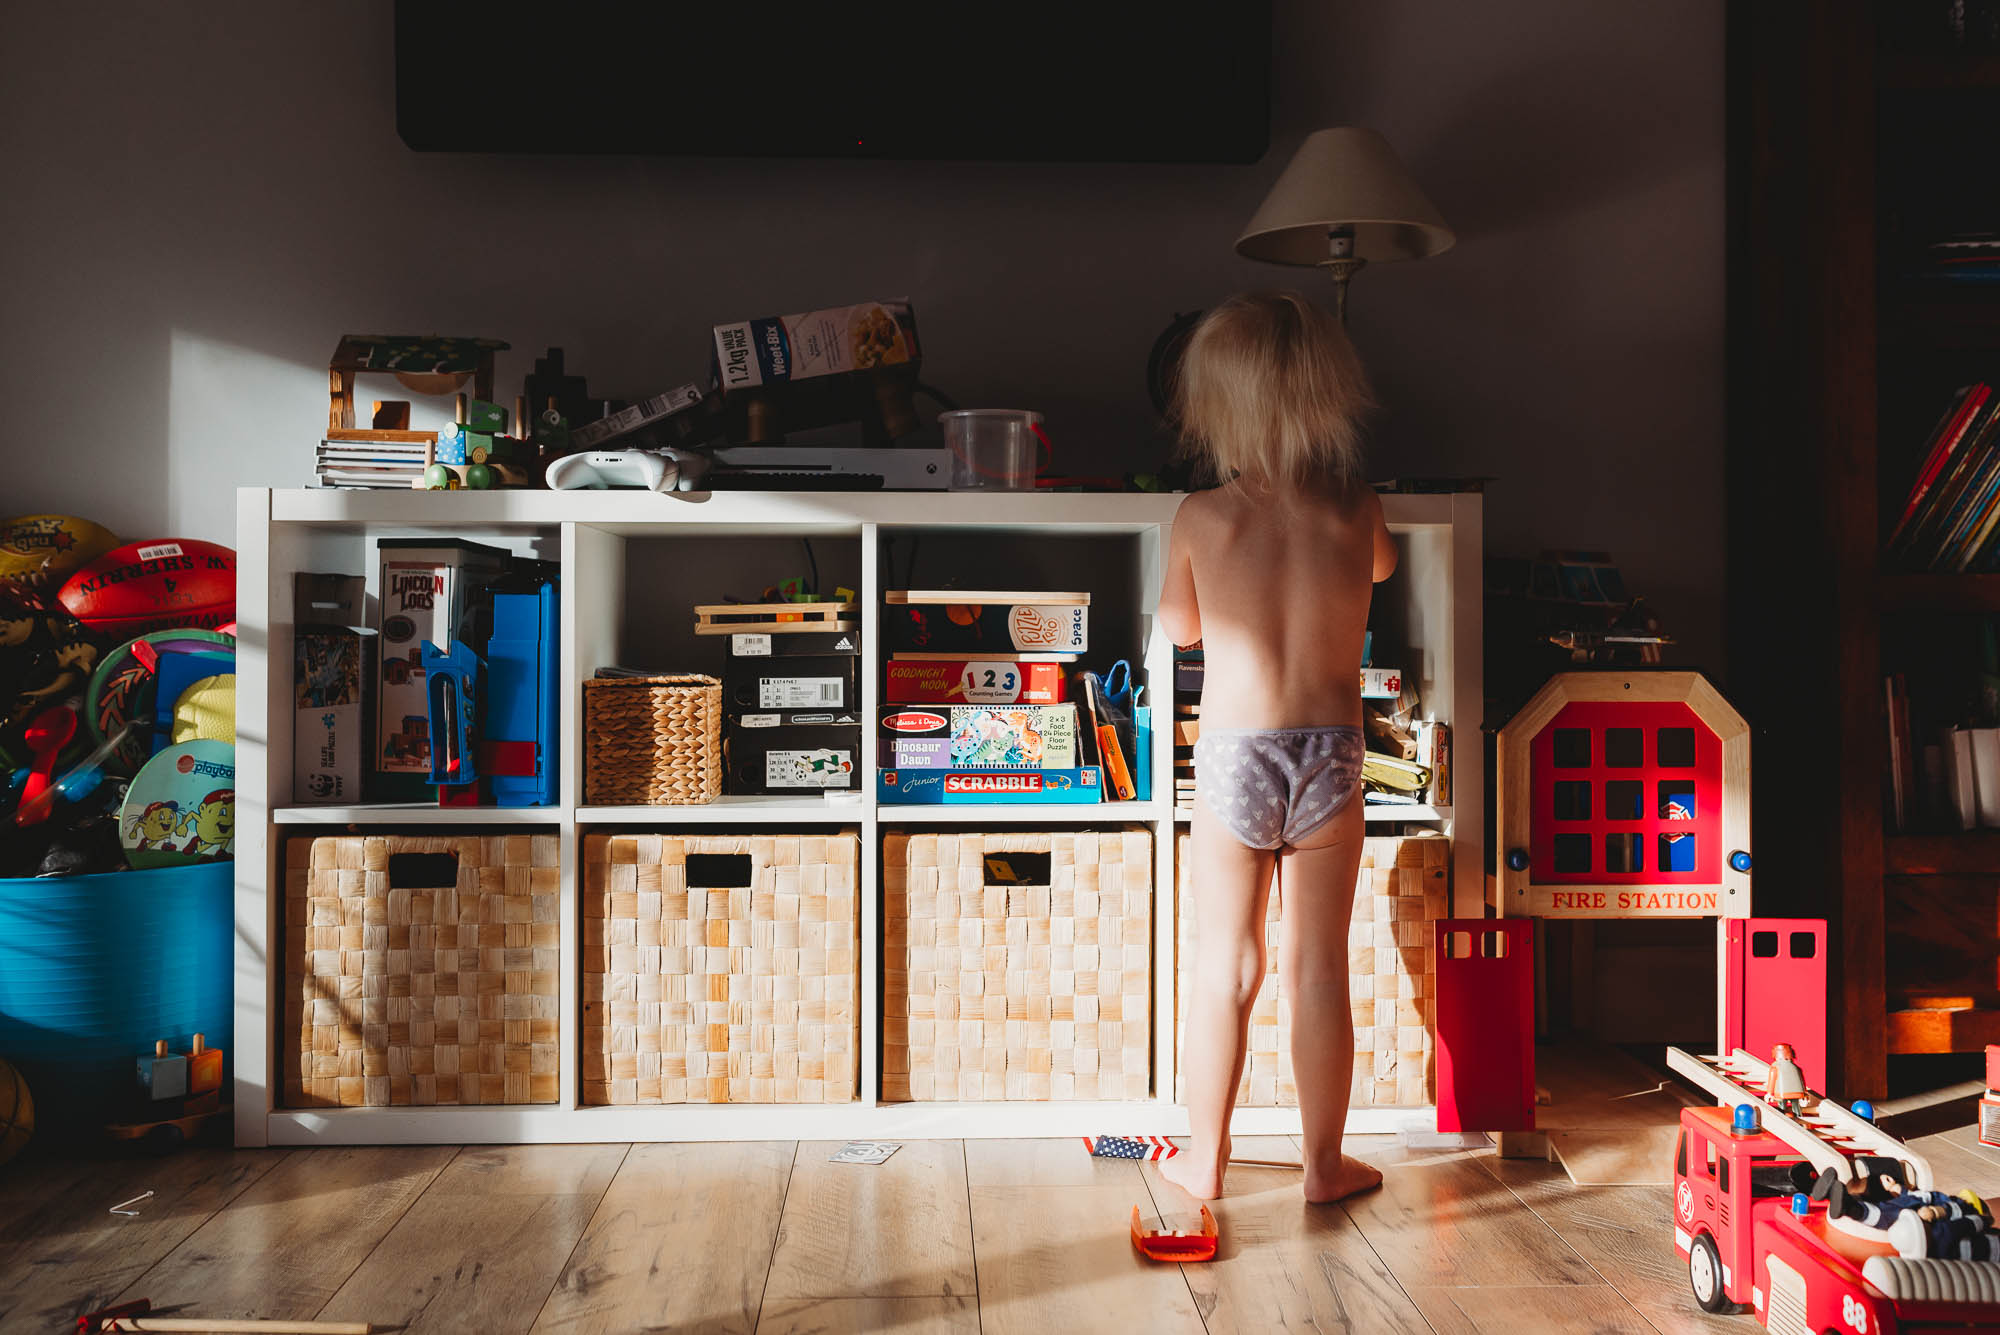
<point x="1754" y="1242"/>
<point x="1620" y="794"/>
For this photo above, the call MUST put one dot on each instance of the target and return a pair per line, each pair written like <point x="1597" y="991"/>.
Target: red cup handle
<point x="1048" y="450"/>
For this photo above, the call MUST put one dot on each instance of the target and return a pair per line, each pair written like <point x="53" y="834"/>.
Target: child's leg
<point x="1232" y="886"/>
<point x="1316" y="885"/>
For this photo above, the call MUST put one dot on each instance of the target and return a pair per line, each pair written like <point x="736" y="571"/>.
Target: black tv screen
<point x="1087" y="82"/>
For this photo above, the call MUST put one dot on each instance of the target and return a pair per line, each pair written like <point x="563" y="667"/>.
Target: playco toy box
<point x="1017" y="787"/>
<point x="781" y="348"/>
<point x="976" y="623"/>
<point x="426" y="593"/>
<point x="787" y="751"/>
<point x="944" y="681"/>
<point x="331" y="683"/>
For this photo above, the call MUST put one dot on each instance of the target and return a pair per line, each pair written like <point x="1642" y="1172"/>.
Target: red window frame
<point x="1648" y="717"/>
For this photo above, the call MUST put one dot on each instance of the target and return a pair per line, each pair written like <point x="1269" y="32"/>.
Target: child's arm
<point x="1179" y="617"/>
<point x="1385" y="546"/>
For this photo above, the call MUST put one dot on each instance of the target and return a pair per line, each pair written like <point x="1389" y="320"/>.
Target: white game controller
<point x="598" y="470"/>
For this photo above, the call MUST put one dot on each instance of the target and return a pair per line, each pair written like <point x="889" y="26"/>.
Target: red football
<point x="163" y="584"/>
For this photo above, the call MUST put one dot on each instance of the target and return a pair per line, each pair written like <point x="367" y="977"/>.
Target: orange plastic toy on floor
<point x="1162" y="1245"/>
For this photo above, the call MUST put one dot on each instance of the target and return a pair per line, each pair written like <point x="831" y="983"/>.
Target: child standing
<point x="1271" y="572"/>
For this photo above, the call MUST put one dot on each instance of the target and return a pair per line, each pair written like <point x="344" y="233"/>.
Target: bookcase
<point x="1858" y="130"/>
<point x="632" y="565"/>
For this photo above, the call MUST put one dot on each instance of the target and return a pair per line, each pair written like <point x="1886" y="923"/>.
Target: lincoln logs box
<point x="428" y="591"/>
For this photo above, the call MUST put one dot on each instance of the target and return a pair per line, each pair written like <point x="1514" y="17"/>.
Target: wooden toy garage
<point x="1624" y="795"/>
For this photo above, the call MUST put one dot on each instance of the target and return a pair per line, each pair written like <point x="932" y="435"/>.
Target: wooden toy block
<point x="488" y="417"/>
<point x="204" y="1067"/>
<point x="163" y="1075"/>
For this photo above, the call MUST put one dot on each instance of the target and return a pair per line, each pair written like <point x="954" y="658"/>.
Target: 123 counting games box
<point x="989" y="681"/>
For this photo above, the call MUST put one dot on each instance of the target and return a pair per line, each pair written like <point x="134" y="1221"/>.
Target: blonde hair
<point x="1270" y="389"/>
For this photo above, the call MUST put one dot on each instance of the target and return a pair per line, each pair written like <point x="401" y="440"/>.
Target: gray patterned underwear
<point x="1273" y="788"/>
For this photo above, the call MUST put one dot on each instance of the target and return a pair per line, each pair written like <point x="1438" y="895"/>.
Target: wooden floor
<point x="947" y="1236"/>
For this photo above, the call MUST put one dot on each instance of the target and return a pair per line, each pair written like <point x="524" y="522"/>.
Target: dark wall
<point x="203" y="197"/>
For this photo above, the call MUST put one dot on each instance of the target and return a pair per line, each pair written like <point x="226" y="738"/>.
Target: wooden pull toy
<point x="1175" y="1245"/>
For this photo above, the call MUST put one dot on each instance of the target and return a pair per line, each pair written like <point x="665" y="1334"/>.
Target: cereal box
<point x="781" y="348"/>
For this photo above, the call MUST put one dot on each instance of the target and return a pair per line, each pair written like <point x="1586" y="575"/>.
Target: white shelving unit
<point x="632" y="564"/>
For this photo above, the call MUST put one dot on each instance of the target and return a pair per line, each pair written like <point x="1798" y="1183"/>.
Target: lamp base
<point x="1341" y="268"/>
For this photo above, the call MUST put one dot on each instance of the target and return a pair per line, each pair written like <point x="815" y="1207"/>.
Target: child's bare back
<point x="1277" y="591"/>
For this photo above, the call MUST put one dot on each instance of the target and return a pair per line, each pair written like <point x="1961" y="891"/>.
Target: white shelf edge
<point x="1088" y="813"/>
<point x="415" y="813"/>
<point x="812" y="1121"/>
<point x="745" y="808"/>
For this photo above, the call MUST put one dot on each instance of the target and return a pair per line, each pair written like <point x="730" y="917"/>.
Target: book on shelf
<point x="1896" y="711"/>
<point x="1944" y="439"/>
<point x="1960" y="785"/>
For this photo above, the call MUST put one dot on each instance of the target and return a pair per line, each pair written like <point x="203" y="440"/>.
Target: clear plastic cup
<point x="993" y="449"/>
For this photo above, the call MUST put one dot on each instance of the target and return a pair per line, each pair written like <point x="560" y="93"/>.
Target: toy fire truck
<point x="1754" y="1242"/>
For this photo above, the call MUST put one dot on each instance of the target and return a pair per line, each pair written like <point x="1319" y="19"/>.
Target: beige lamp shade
<point x="1345" y="177"/>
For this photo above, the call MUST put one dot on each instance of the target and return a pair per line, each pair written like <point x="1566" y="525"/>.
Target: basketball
<point x="17" y="1112"/>
<point x="157" y="585"/>
<point x="41" y="550"/>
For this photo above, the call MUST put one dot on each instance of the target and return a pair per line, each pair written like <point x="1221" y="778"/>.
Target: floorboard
<point x="1440" y="1220"/>
<point x="1575" y="1309"/>
<point x="482" y="1247"/>
<point x="63" y="1253"/>
<point x="868" y="1316"/>
<point x="1052" y="1243"/>
<point x="1627" y="1236"/>
<point x="902" y="1228"/>
<point x="288" y="1243"/>
<point x="681" y="1241"/>
<point x="1283" y="1264"/>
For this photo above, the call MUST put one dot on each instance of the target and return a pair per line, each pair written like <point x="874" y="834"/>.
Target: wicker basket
<point x="744" y="994"/>
<point x="1017" y="991"/>
<point x="413" y="981"/>
<point x="1405" y="884"/>
<point x="652" y="741"/>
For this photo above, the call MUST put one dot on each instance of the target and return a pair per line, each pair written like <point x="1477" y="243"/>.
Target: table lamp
<point x="1344" y="199"/>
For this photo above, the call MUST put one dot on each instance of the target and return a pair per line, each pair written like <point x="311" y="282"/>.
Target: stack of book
<point x="370" y="463"/>
<point x="1963" y="258"/>
<point x="1951" y="519"/>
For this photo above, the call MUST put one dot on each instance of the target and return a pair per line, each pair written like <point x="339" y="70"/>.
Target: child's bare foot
<point x="1199" y="1175"/>
<point x="1350" y="1177"/>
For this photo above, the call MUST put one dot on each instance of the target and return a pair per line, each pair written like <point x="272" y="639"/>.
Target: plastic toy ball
<point x="1863" y="1109"/>
<point x="437" y="478"/>
<point x="478" y="477"/>
<point x="1745" y="1122"/>
<point x="1739" y="861"/>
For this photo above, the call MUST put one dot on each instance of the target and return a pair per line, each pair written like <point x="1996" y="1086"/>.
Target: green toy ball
<point x="479" y="477"/>
<point x="437" y="478"/>
<point x="17" y="1112"/>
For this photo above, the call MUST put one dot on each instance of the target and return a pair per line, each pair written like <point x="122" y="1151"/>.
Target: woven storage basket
<point x="1017" y="992"/>
<point x="745" y="994"/>
<point x="652" y="741"/>
<point x="1405" y="884"/>
<point x="409" y="981"/>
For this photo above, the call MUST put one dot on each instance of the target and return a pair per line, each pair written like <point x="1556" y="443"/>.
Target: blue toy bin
<point x="94" y="969"/>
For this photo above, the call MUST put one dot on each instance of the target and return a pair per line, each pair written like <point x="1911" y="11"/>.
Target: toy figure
<point x="156" y="824"/>
<point x="213" y="823"/>
<point x="1916" y="1223"/>
<point x="1785" y="1083"/>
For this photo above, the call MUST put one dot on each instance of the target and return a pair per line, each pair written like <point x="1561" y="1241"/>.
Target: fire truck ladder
<point x="1827" y="1137"/>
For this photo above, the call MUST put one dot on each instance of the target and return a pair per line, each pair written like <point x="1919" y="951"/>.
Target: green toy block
<point x="483" y="416"/>
<point x="478" y="446"/>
